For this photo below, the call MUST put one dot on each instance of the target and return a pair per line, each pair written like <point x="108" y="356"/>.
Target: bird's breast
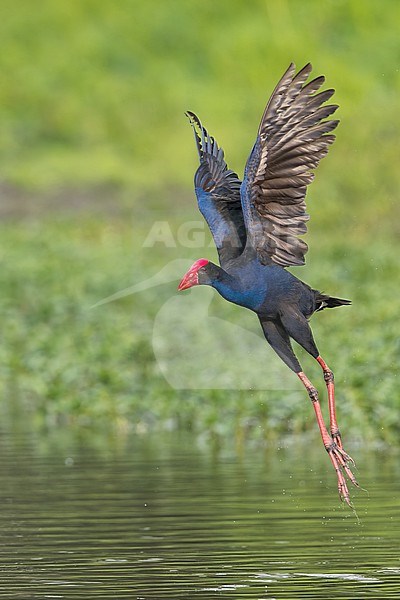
<point x="248" y="296"/>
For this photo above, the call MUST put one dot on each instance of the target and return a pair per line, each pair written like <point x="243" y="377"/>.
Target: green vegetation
<point x="94" y="149"/>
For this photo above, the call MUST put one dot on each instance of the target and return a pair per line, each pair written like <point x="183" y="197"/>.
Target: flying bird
<point x="256" y="224"/>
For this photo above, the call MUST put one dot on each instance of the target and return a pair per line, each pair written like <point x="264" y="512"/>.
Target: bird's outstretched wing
<point x="292" y="138"/>
<point x="218" y="194"/>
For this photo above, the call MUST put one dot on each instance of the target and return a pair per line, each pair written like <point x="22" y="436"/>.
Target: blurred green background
<point x="95" y="148"/>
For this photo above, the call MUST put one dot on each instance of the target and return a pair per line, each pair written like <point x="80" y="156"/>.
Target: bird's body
<point x="256" y="224"/>
<point x="264" y="289"/>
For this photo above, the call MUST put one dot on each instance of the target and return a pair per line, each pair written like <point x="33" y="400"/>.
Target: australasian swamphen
<point x="256" y="222"/>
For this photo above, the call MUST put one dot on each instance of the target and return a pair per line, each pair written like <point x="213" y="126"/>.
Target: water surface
<point x="159" y="517"/>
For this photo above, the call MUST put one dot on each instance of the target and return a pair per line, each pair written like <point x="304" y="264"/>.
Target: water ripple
<point x="160" y="519"/>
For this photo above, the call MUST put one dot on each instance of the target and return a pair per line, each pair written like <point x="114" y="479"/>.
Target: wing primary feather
<point x="195" y="122"/>
<point x="293" y="136"/>
<point x="218" y="194"/>
<point x="279" y="90"/>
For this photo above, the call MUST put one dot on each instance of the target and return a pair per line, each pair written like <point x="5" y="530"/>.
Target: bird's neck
<point x="225" y="284"/>
<point x="217" y="276"/>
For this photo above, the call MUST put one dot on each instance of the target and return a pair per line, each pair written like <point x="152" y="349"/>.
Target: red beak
<point x="191" y="278"/>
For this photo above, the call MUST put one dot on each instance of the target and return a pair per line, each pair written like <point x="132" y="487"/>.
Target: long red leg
<point x="330" y="386"/>
<point x="339" y="458"/>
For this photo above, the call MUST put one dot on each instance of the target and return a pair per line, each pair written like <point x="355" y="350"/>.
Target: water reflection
<point x="157" y="517"/>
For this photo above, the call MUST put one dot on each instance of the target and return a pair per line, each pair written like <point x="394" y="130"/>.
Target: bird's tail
<point x="324" y="301"/>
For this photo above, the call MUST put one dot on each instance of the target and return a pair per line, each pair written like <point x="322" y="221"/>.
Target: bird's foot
<point x="341" y="461"/>
<point x="337" y="438"/>
<point x="336" y="435"/>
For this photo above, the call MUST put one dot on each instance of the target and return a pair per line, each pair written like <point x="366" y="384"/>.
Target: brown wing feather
<point x="293" y="137"/>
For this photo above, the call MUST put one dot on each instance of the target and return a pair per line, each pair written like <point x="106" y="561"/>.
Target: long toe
<point x="342" y="485"/>
<point x="344" y="461"/>
<point x="338" y="441"/>
<point x="337" y="438"/>
<point x="343" y="490"/>
<point x="340" y="461"/>
<point x="346" y="458"/>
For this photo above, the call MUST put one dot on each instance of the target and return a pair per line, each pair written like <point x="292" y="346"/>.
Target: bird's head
<point x="196" y="275"/>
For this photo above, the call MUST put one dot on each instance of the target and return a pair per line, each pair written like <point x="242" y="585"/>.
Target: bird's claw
<point x="337" y="438"/>
<point x="341" y="460"/>
<point x="346" y="457"/>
